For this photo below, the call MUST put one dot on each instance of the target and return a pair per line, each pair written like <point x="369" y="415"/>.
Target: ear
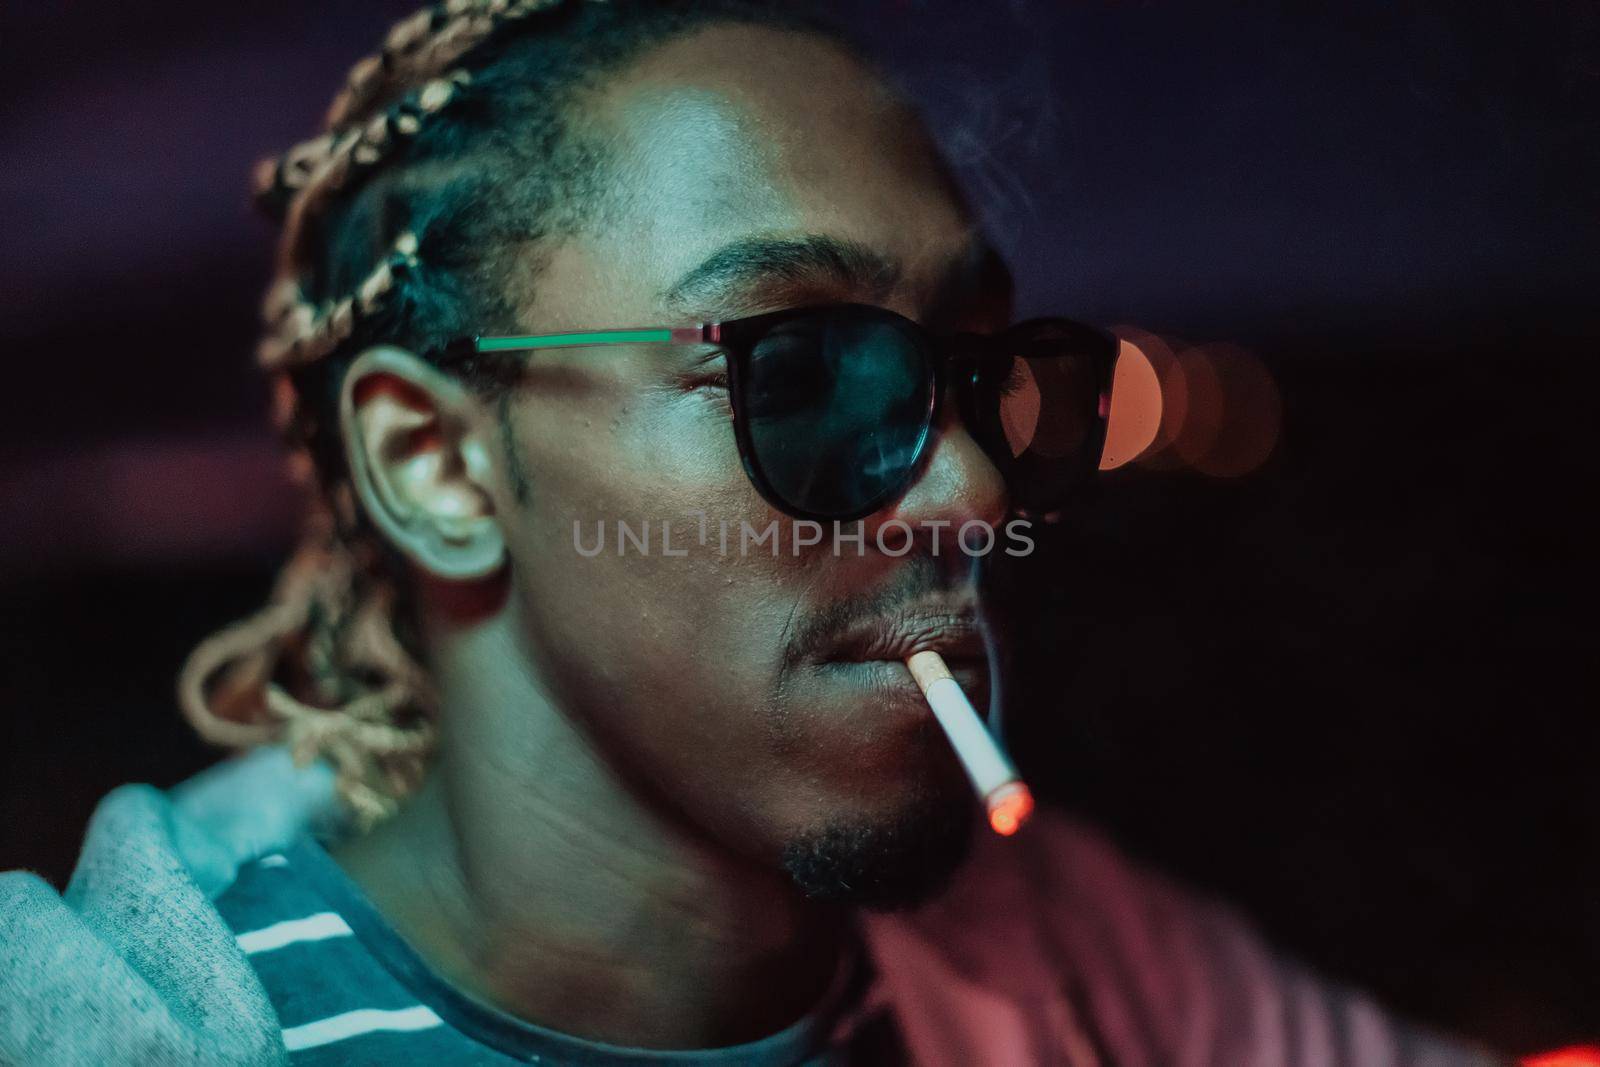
<point x="413" y="441"/>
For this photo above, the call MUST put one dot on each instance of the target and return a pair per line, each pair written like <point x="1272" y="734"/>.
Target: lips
<point x="953" y="633"/>
<point x="861" y="671"/>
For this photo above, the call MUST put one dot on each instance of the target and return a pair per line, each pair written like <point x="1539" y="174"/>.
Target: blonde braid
<point x="300" y="332"/>
<point x="415" y="49"/>
<point x="317" y="169"/>
<point x="322" y="596"/>
<point x="428" y="40"/>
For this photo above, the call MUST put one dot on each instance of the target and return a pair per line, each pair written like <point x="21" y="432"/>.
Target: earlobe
<point x="416" y="465"/>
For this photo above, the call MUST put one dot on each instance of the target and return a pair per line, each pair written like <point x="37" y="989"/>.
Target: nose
<point x="958" y="485"/>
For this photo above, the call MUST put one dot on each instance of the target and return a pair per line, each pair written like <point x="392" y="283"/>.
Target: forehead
<point x="732" y="132"/>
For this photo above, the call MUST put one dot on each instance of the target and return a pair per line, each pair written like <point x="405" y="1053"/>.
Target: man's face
<point x="740" y="686"/>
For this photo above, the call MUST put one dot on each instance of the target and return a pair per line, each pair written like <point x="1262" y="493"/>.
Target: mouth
<point x="863" y="667"/>
<point x="952" y="632"/>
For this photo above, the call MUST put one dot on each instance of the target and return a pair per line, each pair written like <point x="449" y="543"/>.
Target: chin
<point x="886" y="861"/>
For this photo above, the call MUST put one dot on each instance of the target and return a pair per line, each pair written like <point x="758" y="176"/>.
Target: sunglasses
<point x="835" y="407"/>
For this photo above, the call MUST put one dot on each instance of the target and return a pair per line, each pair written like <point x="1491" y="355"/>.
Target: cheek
<point x="672" y="661"/>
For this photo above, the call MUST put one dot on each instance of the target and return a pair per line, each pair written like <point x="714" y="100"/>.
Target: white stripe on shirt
<point x="358" y="1022"/>
<point x="316" y="927"/>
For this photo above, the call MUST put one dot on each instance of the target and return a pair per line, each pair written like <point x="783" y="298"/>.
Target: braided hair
<point x="447" y="155"/>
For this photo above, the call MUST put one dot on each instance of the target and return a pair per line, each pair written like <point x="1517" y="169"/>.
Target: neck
<point x="529" y="875"/>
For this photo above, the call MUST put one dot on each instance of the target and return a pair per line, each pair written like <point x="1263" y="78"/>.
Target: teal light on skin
<point x="569" y="340"/>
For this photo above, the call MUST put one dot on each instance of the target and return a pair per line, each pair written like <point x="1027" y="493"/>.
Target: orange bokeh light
<point x="1135" y="414"/>
<point x="1235" y="412"/>
<point x="1212" y="408"/>
<point x="1205" y="405"/>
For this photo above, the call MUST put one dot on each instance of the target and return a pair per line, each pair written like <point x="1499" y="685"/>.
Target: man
<point x="658" y="801"/>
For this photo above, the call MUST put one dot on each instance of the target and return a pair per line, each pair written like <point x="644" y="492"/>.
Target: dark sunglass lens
<point x="1039" y="403"/>
<point x="836" y="407"/>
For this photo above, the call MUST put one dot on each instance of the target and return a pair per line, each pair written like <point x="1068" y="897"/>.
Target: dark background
<point x="1353" y="692"/>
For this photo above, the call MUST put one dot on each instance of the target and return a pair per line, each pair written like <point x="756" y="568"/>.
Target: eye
<point x="708" y="379"/>
<point x="708" y="373"/>
<point x="1016" y="378"/>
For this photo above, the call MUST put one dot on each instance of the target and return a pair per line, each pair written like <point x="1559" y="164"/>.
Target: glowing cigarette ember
<point x="1005" y="795"/>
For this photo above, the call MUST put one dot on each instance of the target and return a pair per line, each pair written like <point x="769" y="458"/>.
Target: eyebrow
<point x="741" y="274"/>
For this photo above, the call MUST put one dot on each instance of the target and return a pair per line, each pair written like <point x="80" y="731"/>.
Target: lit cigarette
<point x="1004" y="793"/>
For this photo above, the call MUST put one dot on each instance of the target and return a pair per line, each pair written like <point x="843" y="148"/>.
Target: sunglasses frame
<point x="953" y="360"/>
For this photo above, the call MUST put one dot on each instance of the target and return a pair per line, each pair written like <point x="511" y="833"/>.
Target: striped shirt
<point x="349" y="990"/>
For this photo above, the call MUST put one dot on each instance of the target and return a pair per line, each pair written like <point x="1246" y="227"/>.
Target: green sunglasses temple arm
<point x="670" y="335"/>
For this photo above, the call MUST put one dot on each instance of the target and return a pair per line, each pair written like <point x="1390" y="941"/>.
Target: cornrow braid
<point x="428" y="40"/>
<point x="415" y="49"/>
<point x="446" y="154"/>
<point x="317" y="169"/>
<point x="299" y="331"/>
